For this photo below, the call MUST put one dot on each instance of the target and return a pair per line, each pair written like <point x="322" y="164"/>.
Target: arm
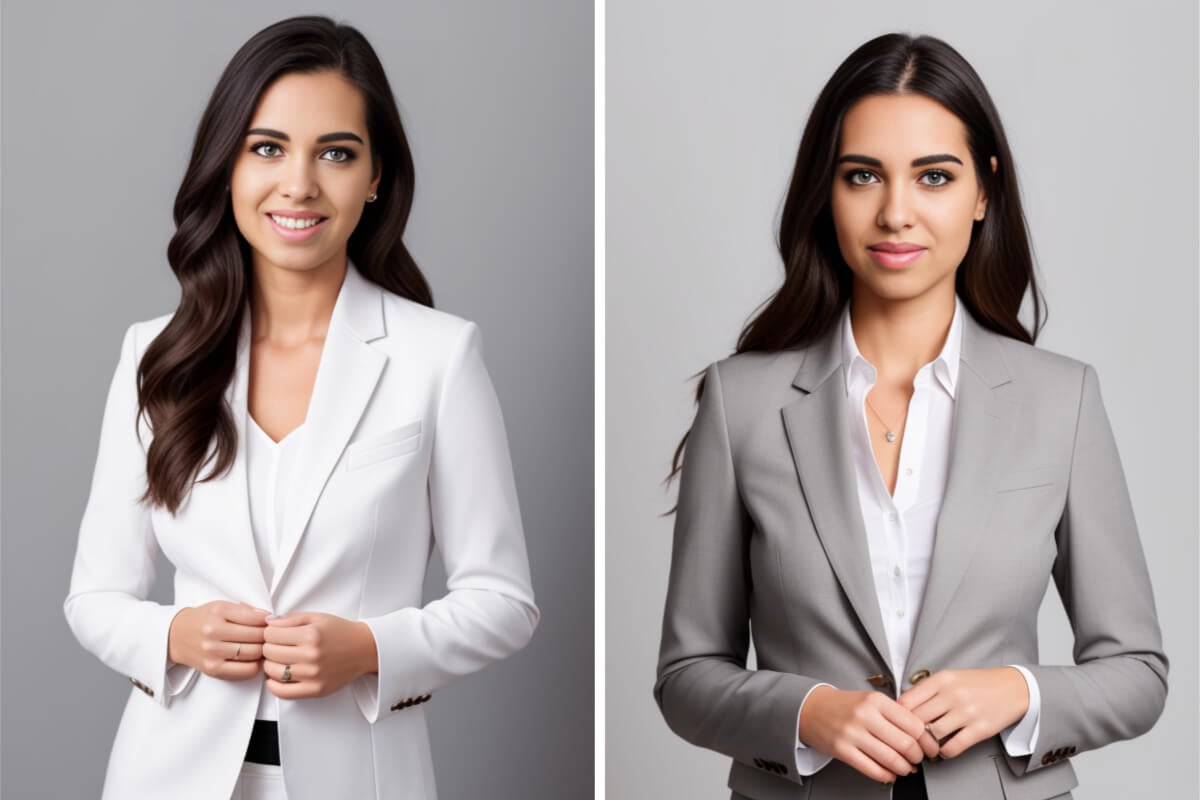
<point x="113" y="571"/>
<point x="1118" y="686"/>
<point x="489" y="611"/>
<point x="705" y="693"/>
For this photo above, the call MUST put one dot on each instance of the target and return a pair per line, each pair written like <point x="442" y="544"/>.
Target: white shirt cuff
<point x="1021" y="738"/>
<point x="809" y="760"/>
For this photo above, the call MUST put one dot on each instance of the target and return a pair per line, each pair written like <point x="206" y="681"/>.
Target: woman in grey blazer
<point x="882" y="480"/>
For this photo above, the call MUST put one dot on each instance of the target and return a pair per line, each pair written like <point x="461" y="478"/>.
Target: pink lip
<point x="296" y="236"/>
<point x="895" y="260"/>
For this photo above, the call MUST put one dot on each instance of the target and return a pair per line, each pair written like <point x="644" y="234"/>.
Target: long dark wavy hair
<point x="185" y="371"/>
<point x="997" y="269"/>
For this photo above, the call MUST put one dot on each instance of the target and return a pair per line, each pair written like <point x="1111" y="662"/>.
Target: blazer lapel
<point x="983" y="418"/>
<point x="347" y="374"/>
<point x="818" y="434"/>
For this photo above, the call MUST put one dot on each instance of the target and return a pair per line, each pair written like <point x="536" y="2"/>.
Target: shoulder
<point x="1045" y="372"/>
<point x="756" y="372"/>
<point x="139" y="335"/>
<point x="434" y="337"/>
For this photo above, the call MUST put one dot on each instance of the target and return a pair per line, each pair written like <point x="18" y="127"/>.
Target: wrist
<point x="1020" y="691"/>
<point x="369" y="653"/>
<point x="174" y="654"/>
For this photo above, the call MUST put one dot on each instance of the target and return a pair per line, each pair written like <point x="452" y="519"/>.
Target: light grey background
<point x="100" y="104"/>
<point x="706" y="102"/>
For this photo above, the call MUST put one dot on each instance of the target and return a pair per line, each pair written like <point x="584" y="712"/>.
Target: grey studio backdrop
<point x="706" y="102"/>
<point x="99" y="111"/>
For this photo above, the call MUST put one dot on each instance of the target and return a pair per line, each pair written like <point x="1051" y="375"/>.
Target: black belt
<point x="910" y="787"/>
<point x="264" y="742"/>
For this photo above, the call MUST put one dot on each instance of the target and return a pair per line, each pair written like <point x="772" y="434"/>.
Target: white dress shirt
<point x="270" y="470"/>
<point x="900" y="526"/>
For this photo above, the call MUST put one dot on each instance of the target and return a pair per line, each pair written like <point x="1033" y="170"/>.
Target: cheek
<point x="953" y="221"/>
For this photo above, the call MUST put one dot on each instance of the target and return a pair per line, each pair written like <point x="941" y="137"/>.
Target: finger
<point x="929" y="745"/>
<point x="960" y="741"/>
<point x="911" y="698"/>
<point x="884" y="755"/>
<point x="283" y="653"/>
<point x="289" y="691"/>
<point x="237" y="670"/>
<point x="933" y="708"/>
<point x="285" y="634"/>
<point x="857" y="759"/>
<point x="243" y="614"/>
<point x="243" y="651"/>
<point x="298" y="672"/>
<point x="234" y="632"/>
<point x="903" y="719"/>
<point x="900" y="741"/>
<point x="944" y="726"/>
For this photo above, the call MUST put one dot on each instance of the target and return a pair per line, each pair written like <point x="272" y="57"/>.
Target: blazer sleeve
<point x="1118" y="685"/>
<point x="106" y="607"/>
<point x="488" y="612"/>
<point x="705" y="693"/>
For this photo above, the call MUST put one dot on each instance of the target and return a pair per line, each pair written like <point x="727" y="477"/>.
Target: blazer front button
<point x="881" y="682"/>
<point x="918" y="676"/>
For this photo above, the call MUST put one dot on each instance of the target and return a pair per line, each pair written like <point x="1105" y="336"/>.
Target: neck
<point x="898" y="338"/>
<point x="289" y="307"/>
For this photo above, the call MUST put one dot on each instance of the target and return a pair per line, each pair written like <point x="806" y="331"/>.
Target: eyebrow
<point x="340" y="136"/>
<point x="916" y="162"/>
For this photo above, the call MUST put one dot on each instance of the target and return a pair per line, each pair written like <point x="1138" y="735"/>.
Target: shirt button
<point x="900" y="612"/>
<point x="908" y="471"/>
<point x="892" y="517"/>
<point x="896" y="572"/>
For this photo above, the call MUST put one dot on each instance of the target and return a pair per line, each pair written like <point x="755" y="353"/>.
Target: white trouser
<point x="259" y="782"/>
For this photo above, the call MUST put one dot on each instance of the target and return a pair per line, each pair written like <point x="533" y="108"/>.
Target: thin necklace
<point x="890" y="436"/>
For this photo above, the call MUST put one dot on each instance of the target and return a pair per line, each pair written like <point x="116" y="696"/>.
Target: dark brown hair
<point x="185" y="371"/>
<point x="997" y="269"/>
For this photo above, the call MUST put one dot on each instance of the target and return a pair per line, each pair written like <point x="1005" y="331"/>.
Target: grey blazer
<point x="769" y="543"/>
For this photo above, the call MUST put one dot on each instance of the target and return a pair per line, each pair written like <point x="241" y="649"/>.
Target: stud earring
<point x="372" y="197"/>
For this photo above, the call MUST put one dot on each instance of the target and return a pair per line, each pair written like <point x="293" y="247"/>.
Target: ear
<point x="376" y="172"/>
<point x="981" y="203"/>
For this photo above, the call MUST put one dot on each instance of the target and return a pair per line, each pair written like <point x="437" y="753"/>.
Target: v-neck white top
<point x="900" y="525"/>
<point x="271" y="469"/>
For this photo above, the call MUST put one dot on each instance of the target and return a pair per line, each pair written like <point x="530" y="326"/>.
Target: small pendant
<point x="891" y="437"/>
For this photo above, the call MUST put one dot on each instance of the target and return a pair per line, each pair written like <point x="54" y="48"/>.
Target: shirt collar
<point x="945" y="367"/>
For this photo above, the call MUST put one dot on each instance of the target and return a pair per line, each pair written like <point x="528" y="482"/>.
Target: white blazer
<point x="406" y="450"/>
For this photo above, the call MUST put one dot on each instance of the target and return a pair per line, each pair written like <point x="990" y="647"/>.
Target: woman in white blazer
<point x="296" y="438"/>
<point x="883" y="479"/>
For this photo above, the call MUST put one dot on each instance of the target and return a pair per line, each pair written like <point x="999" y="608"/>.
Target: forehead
<point x="300" y="104"/>
<point x="902" y="127"/>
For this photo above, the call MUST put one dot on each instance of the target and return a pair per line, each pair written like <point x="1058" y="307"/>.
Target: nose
<point x="298" y="180"/>
<point x="896" y="212"/>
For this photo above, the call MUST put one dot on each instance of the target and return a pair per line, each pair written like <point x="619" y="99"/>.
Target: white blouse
<point x="270" y="472"/>
<point x="900" y="526"/>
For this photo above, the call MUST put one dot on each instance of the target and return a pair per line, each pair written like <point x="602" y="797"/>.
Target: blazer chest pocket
<point x="1026" y="479"/>
<point x="373" y="449"/>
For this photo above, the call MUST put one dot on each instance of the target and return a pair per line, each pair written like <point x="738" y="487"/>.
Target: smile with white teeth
<point x="293" y="223"/>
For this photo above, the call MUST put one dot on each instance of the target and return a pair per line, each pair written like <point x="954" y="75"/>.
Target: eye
<point x="344" y="155"/>
<point x="940" y="177"/>
<point x="257" y="148"/>
<point x="852" y="177"/>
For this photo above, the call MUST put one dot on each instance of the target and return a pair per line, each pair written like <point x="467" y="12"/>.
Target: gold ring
<point x="237" y="652"/>
<point x="287" y="674"/>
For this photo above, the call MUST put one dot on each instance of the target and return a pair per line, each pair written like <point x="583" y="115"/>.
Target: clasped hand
<point x="236" y="641"/>
<point x="883" y="738"/>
